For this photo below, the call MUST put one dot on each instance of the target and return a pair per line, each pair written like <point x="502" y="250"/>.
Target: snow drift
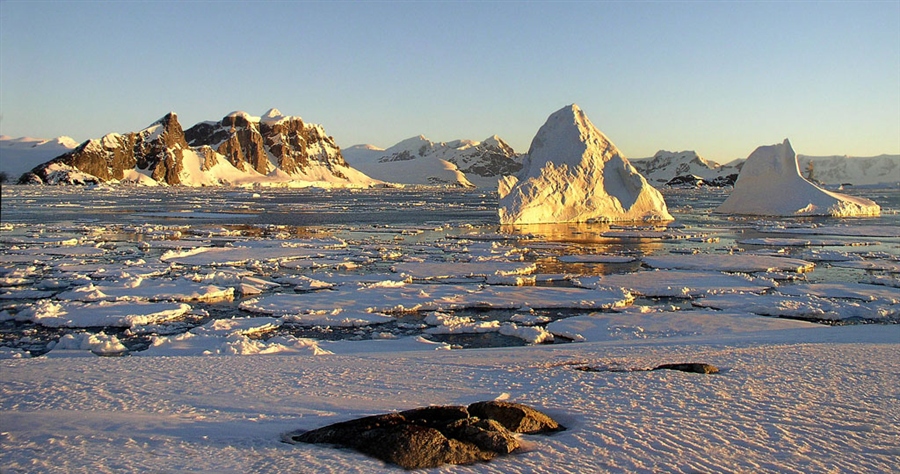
<point x="573" y="173"/>
<point x="770" y="184"/>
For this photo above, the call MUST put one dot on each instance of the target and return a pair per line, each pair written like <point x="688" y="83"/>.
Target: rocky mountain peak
<point x="239" y="146"/>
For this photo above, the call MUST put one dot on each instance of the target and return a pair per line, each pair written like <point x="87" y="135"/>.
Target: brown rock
<point x="515" y="417"/>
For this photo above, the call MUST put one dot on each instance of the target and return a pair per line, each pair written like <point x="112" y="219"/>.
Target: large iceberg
<point x="770" y="184"/>
<point x="573" y="173"/>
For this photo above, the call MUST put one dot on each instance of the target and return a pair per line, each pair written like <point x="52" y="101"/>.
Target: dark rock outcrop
<point x="432" y="436"/>
<point x="697" y="368"/>
<point x="247" y="142"/>
<point x="157" y="149"/>
<point x="273" y="147"/>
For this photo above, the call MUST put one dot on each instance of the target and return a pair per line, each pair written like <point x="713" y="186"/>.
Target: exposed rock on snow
<point x="573" y="173"/>
<point x="435" y="435"/>
<point x="770" y="184"/>
<point x="418" y="160"/>
<point x="694" y="367"/>
<point x="666" y="166"/>
<point x="240" y="149"/>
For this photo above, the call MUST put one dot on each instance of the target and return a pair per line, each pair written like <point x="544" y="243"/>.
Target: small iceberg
<point x="770" y="184"/>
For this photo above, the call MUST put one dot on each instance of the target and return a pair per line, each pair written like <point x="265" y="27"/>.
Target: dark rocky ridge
<point x="158" y="148"/>
<point x="244" y="141"/>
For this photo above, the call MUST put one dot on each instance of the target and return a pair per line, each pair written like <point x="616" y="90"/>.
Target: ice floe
<point x="747" y="263"/>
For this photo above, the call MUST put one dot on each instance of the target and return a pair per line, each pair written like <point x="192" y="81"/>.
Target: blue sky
<point x="720" y="78"/>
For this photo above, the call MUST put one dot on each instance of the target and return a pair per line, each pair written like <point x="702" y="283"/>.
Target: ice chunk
<point x="101" y="314"/>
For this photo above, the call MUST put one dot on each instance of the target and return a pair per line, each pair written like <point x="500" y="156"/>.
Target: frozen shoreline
<point x="801" y="400"/>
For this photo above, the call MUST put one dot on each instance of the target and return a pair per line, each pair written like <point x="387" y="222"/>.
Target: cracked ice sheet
<point x="420" y="297"/>
<point x="856" y="291"/>
<point x="79" y="251"/>
<point x="138" y="289"/>
<point x="101" y="314"/>
<point x="240" y="255"/>
<point x="785" y="242"/>
<point x="231" y="337"/>
<point x="538" y="297"/>
<point x="811" y="307"/>
<point x="476" y="269"/>
<point x="849" y="230"/>
<point x="388" y="298"/>
<point x="883" y="265"/>
<point x="677" y="283"/>
<point x="746" y="263"/>
<point x="664" y="324"/>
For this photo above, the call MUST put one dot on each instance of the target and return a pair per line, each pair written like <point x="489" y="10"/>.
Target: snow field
<point x="801" y="400"/>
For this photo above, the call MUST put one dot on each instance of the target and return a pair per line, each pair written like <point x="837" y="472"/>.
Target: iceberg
<point x="770" y="184"/>
<point x="573" y="173"/>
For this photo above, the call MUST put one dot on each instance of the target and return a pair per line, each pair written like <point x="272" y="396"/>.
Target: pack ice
<point x="573" y="173"/>
<point x="770" y="184"/>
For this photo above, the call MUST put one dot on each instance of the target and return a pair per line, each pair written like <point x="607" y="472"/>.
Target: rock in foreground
<point x="433" y="436"/>
<point x="573" y="173"/>
<point x="770" y="184"/>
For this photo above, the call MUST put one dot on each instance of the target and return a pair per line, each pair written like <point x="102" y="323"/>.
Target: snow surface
<point x="573" y="173"/>
<point x="793" y="400"/>
<point x="770" y="184"/>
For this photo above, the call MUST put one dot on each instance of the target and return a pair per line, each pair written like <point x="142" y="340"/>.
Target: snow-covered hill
<point x="666" y="165"/>
<point x="662" y="167"/>
<point x="238" y="150"/>
<point x="858" y="171"/>
<point x="19" y="155"/>
<point x="418" y="160"/>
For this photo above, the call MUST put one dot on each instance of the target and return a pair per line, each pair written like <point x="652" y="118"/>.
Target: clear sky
<point x="720" y="78"/>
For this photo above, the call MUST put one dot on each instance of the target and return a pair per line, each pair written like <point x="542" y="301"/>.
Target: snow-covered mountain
<point x="666" y="165"/>
<point x="662" y="167"/>
<point x="418" y="160"/>
<point x="574" y="173"/>
<point x="238" y="150"/>
<point x="858" y="171"/>
<point x="19" y="155"/>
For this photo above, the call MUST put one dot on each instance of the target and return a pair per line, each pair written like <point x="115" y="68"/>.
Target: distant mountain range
<point x="673" y="168"/>
<point x="418" y="160"/>
<point x="280" y="150"/>
<point x="238" y="150"/>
